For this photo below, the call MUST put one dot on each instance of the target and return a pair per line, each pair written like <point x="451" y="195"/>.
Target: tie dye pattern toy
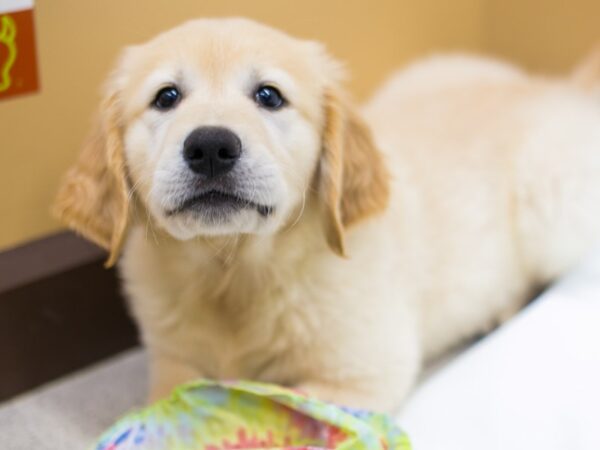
<point x="207" y="415"/>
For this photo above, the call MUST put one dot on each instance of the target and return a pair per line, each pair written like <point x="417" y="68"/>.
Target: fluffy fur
<point x="397" y="231"/>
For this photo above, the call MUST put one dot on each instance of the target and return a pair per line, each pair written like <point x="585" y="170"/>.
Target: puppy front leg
<point x="338" y="394"/>
<point x="167" y="372"/>
<point x="380" y="395"/>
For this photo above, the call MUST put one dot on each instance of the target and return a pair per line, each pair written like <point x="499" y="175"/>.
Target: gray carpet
<point x="70" y="413"/>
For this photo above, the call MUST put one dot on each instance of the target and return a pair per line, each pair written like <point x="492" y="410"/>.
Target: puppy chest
<point x="248" y="322"/>
<point x="263" y="337"/>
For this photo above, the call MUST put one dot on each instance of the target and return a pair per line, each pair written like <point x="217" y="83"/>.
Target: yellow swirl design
<point x="8" y="34"/>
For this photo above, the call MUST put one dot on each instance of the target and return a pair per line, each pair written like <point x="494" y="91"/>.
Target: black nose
<point x="212" y="151"/>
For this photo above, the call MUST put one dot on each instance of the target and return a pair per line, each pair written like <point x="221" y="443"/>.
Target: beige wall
<point x="544" y="35"/>
<point x="78" y="39"/>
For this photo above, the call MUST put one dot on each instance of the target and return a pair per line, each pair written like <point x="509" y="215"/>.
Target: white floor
<point x="533" y="384"/>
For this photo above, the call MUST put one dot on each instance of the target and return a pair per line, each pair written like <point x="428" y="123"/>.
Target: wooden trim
<point x="43" y="258"/>
<point x="60" y="310"/>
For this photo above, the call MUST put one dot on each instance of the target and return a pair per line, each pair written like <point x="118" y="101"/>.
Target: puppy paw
<point x="370" y="397"/>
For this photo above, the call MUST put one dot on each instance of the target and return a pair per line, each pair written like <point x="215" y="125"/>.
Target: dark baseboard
<point x="60" y="310"/>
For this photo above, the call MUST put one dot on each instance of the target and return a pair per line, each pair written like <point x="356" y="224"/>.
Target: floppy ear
<point x="93" y="197"/>
<point x="353" y="180"/>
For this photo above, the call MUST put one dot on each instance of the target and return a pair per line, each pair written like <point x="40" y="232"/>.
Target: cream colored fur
<point x="482" y="185"/>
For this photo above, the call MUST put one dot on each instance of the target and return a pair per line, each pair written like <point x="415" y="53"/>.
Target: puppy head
<point x="222" y="127"/>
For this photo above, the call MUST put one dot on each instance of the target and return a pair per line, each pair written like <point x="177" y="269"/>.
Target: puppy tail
<point x="587" y="73"/>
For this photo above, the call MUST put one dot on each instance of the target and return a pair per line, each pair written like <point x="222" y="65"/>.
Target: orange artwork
<point x="18" y="62"/>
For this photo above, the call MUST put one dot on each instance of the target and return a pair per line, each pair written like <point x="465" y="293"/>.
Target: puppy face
<point x="224" y="127"/>
<point x="222" y="133"/>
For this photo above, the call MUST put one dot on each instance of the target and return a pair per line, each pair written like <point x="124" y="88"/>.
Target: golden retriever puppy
<point x="271" y="231"/>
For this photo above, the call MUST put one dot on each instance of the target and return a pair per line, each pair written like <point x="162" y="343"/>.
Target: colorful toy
<point x="208" y="415"/>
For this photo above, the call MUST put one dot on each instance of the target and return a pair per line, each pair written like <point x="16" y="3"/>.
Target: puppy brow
<point x="253" y="80"/>
<point x="270" y="76"/>
<point x="159" y="79"/>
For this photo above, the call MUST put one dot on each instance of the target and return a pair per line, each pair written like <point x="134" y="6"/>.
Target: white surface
<point x="533" y="384"/>
<point x="15" y="5"/>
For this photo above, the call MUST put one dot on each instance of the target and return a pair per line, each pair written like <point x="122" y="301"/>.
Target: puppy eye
<point x="269" y="97"/>
<point x="167" y="98"/>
